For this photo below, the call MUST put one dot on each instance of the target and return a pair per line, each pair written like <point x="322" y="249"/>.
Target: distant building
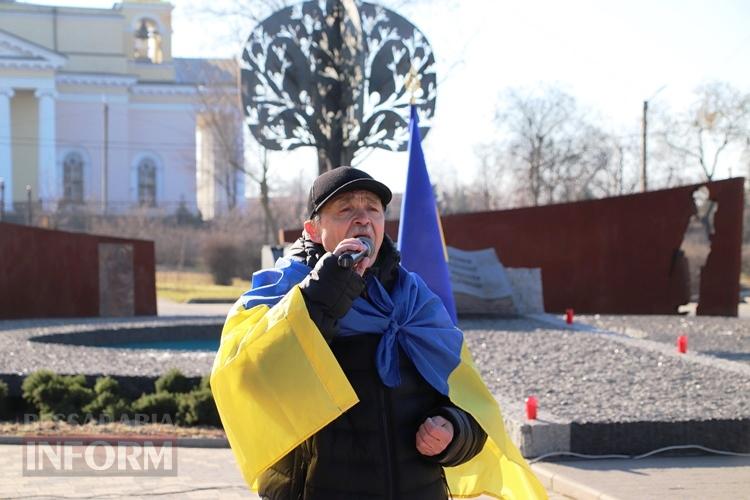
<point x="96" y="114"/>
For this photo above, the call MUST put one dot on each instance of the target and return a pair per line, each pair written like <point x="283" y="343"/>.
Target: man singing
<point x="336" y="371"/>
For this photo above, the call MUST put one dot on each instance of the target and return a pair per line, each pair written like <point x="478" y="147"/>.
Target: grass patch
<point x="190" y="285"/>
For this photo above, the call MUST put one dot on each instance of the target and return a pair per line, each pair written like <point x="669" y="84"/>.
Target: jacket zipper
<point x="389" y="465"/>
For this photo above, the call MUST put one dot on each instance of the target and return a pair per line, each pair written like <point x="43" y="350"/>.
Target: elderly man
<point x="363" y="409"/>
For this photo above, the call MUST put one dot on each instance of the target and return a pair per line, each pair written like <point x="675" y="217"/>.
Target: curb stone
<point x="556" y="483"/>
<point x="547" y="434"/>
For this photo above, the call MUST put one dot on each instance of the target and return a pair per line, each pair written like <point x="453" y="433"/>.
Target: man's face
<point x="349" y="215"/>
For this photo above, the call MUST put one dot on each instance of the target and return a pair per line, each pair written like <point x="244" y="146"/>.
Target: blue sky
<point x="611" y="55"/>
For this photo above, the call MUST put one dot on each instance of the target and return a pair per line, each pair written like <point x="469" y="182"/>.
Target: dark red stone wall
<point x="48" y="273"/>
<point x="720" y="284"/>
<point x="615" y="255"/>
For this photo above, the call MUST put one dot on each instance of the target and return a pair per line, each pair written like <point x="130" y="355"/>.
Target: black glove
<point x="329" y="291"/>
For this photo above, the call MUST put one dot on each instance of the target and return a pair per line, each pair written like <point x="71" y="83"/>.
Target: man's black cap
<point x="342" y="180"/>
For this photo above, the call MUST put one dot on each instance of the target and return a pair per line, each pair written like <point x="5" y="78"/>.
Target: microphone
<point x="348" y="259"/>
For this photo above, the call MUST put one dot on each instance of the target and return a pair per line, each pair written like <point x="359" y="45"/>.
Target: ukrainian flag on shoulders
<point x="276" y="382"/>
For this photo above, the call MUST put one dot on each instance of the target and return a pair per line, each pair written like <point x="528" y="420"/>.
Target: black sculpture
<point x="335" y="74"/>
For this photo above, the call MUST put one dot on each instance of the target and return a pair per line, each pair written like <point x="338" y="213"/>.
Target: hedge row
<point x="69" y="397"/>
<point x="3" y="398"/>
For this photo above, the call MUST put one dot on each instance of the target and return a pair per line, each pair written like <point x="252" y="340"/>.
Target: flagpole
<point x="413" y="85"/>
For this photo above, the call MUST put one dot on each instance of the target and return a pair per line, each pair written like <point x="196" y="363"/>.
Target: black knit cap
<point x="342" y="180"/>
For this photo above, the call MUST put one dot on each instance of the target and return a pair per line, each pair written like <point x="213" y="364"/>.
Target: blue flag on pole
<point x="420" y="235"/>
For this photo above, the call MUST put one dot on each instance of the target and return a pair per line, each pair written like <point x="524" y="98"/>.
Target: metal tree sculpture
<point x="334" y="74"/>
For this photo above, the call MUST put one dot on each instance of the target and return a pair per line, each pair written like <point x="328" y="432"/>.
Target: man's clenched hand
<point x="434" y="435"/>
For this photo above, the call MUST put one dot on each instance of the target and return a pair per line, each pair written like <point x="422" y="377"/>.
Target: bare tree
<point x="261" y="177"/>
<point x="714" y="126"/>
<point x="712" y="132"/>
<point x="547" y="151"/>
<point x="486" y="182"/>
<point x="488" y="189"/>
<point x="554" y="149"/>
<point x="666" y="167"/>
<point x="221" y="123"/>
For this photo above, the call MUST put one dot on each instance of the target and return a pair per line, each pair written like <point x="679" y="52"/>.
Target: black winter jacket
<point x="369" y="452"/>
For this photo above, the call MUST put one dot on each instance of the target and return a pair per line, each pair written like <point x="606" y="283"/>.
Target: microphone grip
<point x="346" y="260"/>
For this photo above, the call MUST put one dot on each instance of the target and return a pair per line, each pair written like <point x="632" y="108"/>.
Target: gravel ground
<point x="590" y="377"/>
<point x="578" y="376"/>
<point x="20" y="356"/>
<point x="727" y="338"/>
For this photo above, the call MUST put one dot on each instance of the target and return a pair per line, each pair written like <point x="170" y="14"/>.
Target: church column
<point x="48" y="181"/>
<point x="6" y="146"/>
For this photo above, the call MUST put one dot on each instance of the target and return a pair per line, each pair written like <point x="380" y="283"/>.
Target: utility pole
<point x="644" y="141"/>
<point x="29" y="215"/>
<point x="644" y="127"/>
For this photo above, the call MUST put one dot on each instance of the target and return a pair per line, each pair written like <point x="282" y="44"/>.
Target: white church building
<point x="96" y="115"/>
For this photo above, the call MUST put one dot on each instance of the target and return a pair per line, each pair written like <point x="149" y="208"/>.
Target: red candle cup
<point x="569" y="316"/>
<point x="531" y="406"/>
<point x="682" y="344"/>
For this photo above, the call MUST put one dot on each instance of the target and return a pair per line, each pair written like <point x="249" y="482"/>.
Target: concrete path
<point x="679" y="478"/>
<point x="205" y="473"/>
<point x="166" y="307"/>
<point x="201" y="474"/>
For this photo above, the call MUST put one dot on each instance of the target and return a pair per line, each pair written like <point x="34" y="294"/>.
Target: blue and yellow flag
<point x="420" y="234"/>
<point x="276" y="382"/>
